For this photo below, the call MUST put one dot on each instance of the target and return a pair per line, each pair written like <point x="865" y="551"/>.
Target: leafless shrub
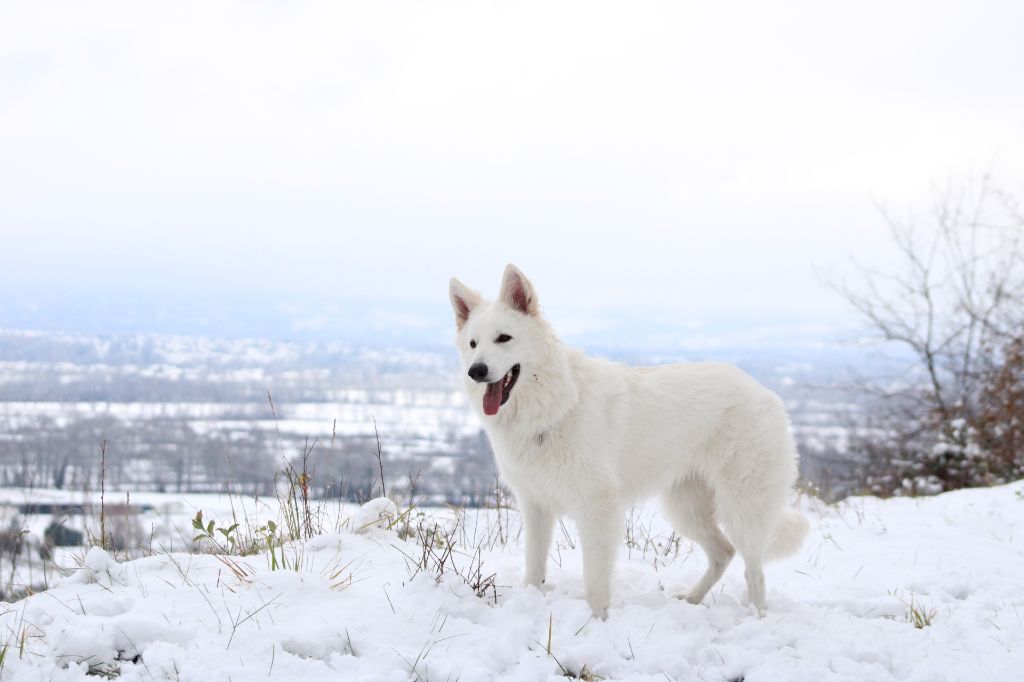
<point x="955" y="301"/>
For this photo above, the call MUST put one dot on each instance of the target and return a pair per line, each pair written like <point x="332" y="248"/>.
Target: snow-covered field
<point x="357" y="609"/>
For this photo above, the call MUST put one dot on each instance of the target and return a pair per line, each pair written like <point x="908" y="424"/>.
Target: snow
<point x="357" y="609"/>
<point x="377" y="513"/>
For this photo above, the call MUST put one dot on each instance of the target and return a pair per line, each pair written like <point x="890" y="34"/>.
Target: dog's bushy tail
<point x="788" y="535"/>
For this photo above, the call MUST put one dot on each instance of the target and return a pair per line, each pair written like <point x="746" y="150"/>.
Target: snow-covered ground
<point x="356" y="608"/>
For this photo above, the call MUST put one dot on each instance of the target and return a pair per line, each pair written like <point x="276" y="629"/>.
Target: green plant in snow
<point x="918" y="615"/>
<point x="275" y="546"/>
<point x="205" y="531"/>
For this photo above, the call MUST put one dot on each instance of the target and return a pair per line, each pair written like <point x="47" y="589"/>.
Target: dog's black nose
<point x="478" y="372"/>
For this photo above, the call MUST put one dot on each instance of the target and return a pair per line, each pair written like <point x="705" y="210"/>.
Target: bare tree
<point x="955" y="301"/>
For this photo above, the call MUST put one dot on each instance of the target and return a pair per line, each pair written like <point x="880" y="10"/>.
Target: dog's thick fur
<point x="587" y="438"/>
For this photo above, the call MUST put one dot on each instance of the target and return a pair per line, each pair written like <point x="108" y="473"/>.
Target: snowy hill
<point x="370" y="606"/>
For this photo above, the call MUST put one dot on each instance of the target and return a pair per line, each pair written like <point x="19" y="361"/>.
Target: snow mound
<point x="99" y="568"/>
<point x="379" y="512"/>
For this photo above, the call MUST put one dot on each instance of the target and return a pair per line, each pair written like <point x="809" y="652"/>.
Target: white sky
<point x="697" y="158"/>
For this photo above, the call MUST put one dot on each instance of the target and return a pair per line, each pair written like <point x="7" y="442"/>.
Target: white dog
<point x="587" y="438"/>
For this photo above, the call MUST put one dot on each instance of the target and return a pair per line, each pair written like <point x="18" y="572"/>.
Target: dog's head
<point x="497" y="340"/>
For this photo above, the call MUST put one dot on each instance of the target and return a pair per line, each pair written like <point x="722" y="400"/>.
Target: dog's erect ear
<point x="517" y="292"/>
<point x="463" y="299"/>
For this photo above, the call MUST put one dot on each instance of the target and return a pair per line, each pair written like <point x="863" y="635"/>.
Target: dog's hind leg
<point x="754" y="574"/>
<point x="690" y="507"/>
<point x="751" y="532"/>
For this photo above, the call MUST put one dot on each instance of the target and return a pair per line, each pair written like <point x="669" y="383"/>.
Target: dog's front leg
<point x="600" y="528"/>
<point x="539" y="522"/>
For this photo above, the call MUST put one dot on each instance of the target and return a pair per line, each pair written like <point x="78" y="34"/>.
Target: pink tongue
<point x="492" y="398"/>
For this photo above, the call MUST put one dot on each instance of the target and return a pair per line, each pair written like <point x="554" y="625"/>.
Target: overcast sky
<point x="701" y="159"/>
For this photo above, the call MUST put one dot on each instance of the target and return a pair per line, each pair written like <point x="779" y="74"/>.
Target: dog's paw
<point x="761" y="609"/>
<point x="540" y="584"/>
<point x="598" y="608"/>
<point x="688" y="597"/>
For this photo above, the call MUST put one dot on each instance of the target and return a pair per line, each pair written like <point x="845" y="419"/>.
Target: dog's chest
<point x="540" y="464"/>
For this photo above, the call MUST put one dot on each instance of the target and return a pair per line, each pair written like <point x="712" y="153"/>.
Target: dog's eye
<point x="503" y="338"/>
<point x="472" y="344"/>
